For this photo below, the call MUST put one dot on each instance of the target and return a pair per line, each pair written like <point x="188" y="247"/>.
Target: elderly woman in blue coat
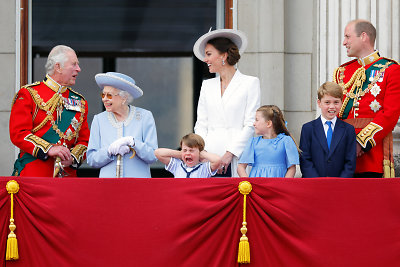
<point x="122" y="129"/>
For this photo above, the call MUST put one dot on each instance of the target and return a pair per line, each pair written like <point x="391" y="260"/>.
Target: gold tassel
<point x="12" y="244"/>
<point x="244" y="245"/>
<point x="388" y="169"/>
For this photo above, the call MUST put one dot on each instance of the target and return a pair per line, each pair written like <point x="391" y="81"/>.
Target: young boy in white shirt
<point x="192" y="161"/>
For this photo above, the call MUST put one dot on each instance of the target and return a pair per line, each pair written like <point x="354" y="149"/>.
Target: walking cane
<point x="119" y="165"/>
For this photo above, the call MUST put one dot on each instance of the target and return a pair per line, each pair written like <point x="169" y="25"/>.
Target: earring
<point x="223" y="62"/>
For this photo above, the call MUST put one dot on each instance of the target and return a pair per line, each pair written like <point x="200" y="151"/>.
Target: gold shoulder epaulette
<point x="25" y="86"/>
<point x="75" y="92"/>
<point x="348" y="63"/>
<point x="392" y="60"/>
<point x="30" y="85"/>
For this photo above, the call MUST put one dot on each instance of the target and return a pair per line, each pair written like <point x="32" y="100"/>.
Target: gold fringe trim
<point x="244" y="245"/>
<point x="388" y="169"/>
<point x="12" y="244"/>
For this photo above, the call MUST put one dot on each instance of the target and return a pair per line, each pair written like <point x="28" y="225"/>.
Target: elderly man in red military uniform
<point x="48" y="120"/>
<point x="371" y="99"/>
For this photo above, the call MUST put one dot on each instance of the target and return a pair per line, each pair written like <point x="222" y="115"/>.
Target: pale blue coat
<point x="106" y="129"/>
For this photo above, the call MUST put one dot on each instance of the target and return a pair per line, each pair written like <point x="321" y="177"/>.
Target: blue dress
<point x="106" y="129"/>
<point x="270" y="157"/>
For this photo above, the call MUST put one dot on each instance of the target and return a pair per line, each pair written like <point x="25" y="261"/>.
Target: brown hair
<point x="274" y="114"/>
<point x="361" y="26"/>
<point x="193" y="140"/>
<point x="331" y="89"/>
<point x="225" y="45"/>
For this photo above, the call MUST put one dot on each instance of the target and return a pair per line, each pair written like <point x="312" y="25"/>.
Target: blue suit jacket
<point x="317" y="160"/>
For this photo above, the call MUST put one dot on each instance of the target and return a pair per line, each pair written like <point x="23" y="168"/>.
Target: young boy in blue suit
<point x="328" y="144"/>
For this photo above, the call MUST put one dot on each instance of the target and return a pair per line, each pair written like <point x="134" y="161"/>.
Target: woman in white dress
<point x="122" y="129"/>
<point x="228" y="103"/>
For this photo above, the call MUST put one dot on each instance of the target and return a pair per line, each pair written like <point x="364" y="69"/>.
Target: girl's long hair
<point x="273" y="113"/>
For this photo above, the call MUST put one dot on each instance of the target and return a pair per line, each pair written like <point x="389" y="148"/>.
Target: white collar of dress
<point x="118" y="124"/>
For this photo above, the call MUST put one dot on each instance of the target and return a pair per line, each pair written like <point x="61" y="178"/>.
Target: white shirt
<point x="326" y="125"/>
<point x="175" y="166"/>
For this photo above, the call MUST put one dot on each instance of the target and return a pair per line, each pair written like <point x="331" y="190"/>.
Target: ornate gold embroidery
<point x="356" y="92"/>
<point x="25" y="86"/>
<point x="78" y="152"/>
<point x="38" y="142"/>
<point x="53" y="85"/>
<point x="49" y="107"/>
<point x="368" y="59"/>
<point x="367" y="134"/>
<point x="357" y="80"/>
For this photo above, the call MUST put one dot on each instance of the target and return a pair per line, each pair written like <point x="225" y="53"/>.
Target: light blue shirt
<point x="106" y="129"/>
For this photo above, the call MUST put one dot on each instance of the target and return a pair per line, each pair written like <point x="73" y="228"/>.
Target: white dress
<point x="226" y="122"/>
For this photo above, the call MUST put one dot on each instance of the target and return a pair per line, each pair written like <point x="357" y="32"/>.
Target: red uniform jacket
<point x="371" y="102"/>
<point x="40" y="118"/>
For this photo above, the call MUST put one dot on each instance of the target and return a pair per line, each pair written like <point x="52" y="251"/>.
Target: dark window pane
<point x="121" y="25"/>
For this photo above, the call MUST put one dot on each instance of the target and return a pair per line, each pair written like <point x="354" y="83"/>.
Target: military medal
<point x="75" y="123"/>
<point x="375" y="90"/>
<point x="375" y="106"/>
<point x="372" y="75"/>
<point x="72" y="104"/>
<point x="381" y="77"/>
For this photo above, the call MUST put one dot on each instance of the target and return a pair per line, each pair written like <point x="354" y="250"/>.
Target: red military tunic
<point x="371" y="103"/>
<point x="44" y="114"/>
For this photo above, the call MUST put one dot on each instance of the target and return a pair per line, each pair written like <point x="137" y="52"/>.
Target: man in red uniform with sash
<point x="371" y="99"/>
<point x="48" y="120"/>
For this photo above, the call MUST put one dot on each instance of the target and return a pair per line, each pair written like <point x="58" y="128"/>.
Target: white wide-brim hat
<point x="119" y="81"/>
<point x="236" y="36"/>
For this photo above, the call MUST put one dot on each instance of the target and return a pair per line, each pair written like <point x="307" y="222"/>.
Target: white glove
<point x="115" y="146"/>
<point x="123" y="150"/>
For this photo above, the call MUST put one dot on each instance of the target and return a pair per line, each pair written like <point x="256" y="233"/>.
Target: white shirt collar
<point x="325" y="120"/>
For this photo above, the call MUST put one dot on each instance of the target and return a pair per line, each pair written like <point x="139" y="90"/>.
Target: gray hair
<point x="127" y="95"/>
<point x="57" y="55"/>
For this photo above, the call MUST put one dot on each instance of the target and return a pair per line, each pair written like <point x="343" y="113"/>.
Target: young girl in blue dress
<point x="274" y="152"/>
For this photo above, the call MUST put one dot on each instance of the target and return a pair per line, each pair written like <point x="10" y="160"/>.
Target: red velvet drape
<point x="196" y="222"/>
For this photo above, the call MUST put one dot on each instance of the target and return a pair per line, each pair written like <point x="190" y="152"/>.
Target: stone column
<point x="263" y="23"/>
<point x="8" y="59"/>
<point x="282" y="53"/>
